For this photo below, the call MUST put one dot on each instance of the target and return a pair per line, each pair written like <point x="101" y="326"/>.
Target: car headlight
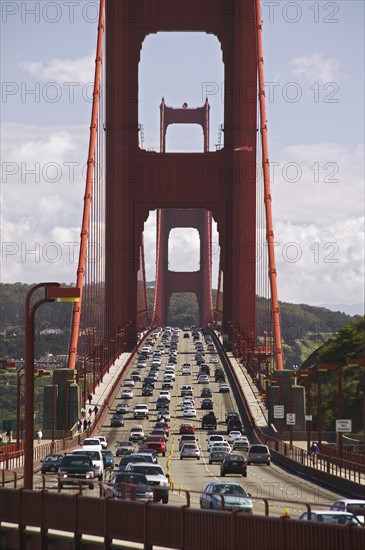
<point x="89" y="474"/>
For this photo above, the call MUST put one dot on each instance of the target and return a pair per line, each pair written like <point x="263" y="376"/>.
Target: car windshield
<point x="53" y="458"/>
<point x="258" y="449"/>
<point x="227" y="488"/>
<point x="130" y="478"/>
<point x="234" y="458"/>
<point x="76" y="460"/>
<point x="149" y="470"/>
<point x="94" y="455"/>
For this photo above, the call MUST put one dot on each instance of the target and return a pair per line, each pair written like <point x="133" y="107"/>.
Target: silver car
<point x="258" y="454"/>
<point x="190" y="450"/>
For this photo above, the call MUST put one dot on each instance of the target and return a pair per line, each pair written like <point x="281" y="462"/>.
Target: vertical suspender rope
<point x="266" y="173"/>
<point x="88" y="190"/>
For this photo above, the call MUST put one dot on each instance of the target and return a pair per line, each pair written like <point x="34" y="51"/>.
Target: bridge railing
<point x="168" y="526"/>
<point x="346" y="467"/>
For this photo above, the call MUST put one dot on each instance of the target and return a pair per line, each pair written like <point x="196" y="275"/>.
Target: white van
<point x="97" y="459"/>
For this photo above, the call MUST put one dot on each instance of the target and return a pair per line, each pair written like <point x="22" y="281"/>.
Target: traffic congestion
<point x="175" y="430"/>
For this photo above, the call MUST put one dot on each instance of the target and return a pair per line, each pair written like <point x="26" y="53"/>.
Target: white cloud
<point x="320" y="183"/>
<point x="319" y="224"/>
<point x="315" y="68"/>
<point x="80" y="70"/>
<point x="321" y="263"/>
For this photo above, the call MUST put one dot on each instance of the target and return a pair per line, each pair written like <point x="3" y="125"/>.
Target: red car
<point x="164" y="426"/>
<point x="157" y="443"/>
<point x="187" y="428"/>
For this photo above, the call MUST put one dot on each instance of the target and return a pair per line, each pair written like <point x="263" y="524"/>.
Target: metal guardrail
<point x="153" y="524"/>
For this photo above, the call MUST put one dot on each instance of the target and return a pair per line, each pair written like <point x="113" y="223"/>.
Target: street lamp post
<point x="320" y="368"/>
<point x="19" y="376"/>
<point x="52" y="291"/>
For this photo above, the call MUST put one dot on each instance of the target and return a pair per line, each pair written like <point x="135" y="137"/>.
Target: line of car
<point x="133" y="478"/>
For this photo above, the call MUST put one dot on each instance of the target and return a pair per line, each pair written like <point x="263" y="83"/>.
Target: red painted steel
<point x="88" y="190"/>
<point x="155" y="524"/>
<point x="168" y="282"/>
<point x="266" y="174"/>
<point x="220" y="182"/>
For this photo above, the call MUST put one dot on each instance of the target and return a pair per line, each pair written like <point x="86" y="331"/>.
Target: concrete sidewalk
<point x="252" y="395"/>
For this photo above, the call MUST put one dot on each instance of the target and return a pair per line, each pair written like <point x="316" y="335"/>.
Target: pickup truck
<point x="76" y="469"/>
<point x="209" y="421"/>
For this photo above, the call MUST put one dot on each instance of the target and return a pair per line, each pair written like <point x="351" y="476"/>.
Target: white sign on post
<point x="290" y="419"/>
<point x="343" y="426"/>
<point x="278" y="411"/>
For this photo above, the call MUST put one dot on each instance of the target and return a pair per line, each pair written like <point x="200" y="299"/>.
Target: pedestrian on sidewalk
<point x="8" y="436"/>
<point x="314" y="450"/>
<point x="90" y="411"/>
<point x="79" y="425"/>
<point x="85" y="424"/>
<point x="89" y="398"/>
<point x="96" y="410"/>
<point x="83" y="412"/>
<point x="39" y="436"/>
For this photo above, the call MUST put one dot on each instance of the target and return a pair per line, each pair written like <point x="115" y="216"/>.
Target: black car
<point x="232" y="414"/>
<point x="162" y="403"/>
<point x="128" y="485"/>
<point x="136" y="375"/>
<point x="76" y="468"/>
<point x="147" y="390"/>
<point x="207" y="404"/>
<point x="234" y="464"/>
<point x="117" y="421"/>
<point x="132" y="458"/>
<point x="206" y="392"/>
<point x="234" y="424"/>
<point x="149" y="381"/>
<point x="51" y="463"/>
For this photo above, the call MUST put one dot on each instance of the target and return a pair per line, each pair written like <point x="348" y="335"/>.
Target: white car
<point x="155" y="476"/>
<point x="141" y="410"/>
<point x="221" y="444"/>
<point x="214" y="438"/>
<point x="128" y="382"/>
<point x="102" y="440"/>
<point x="136" y="433"/>
<point x="186" y="369"/>
<point x="203" y="379"/>
<point x="187" y="402"/>
<point x="141" y="363"/>
<point x="213" y="359"/>
<point x="233" y="435"/>
<point x="189" y="412"/>
<point x="190" y="450"/>
<point x="126" y="394"/>
<point x="164" y="393"/>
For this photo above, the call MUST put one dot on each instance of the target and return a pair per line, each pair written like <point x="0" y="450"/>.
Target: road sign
<point x="290" y="419"/>
<point x="308" y="417"/>
<point x="344" y="425"/>
<point x="278" y="411"/>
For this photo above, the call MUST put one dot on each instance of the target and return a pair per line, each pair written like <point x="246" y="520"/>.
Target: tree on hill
<point x="347" y="343"/>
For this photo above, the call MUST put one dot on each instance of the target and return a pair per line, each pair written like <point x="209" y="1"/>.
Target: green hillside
<point x="347" y="343"/>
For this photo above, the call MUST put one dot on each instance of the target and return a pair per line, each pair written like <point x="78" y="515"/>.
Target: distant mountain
<point x="353" y="309"/>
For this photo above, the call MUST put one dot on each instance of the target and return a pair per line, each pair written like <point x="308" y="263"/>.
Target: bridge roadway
<point x="262" y="481"/>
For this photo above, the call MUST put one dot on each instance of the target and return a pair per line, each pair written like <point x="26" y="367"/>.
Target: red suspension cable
<point x="88" y="190"/>
<point x="266" y="174"/>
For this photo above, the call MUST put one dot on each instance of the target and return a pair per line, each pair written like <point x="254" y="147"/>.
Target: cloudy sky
<point x="314" y="69"/>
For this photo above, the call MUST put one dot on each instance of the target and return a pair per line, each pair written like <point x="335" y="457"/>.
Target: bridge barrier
<point x="335" y="471"/>
<point x="154" y="524"/>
